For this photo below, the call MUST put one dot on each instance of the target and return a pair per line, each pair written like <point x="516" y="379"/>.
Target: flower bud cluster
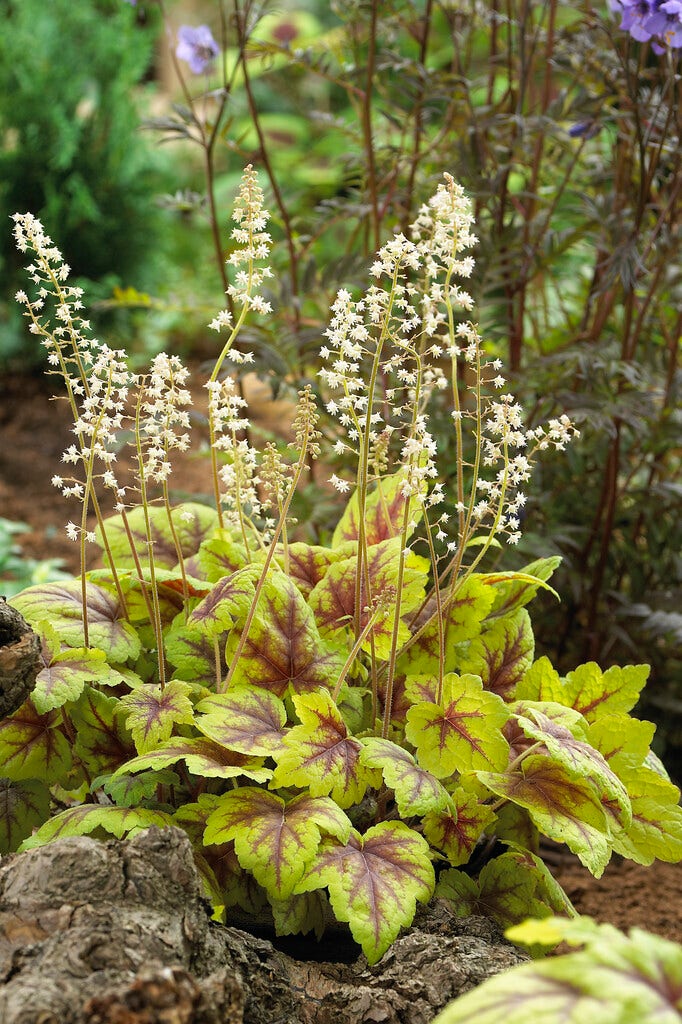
<point x="164" y="421"/>
<point x="238" y="474"/>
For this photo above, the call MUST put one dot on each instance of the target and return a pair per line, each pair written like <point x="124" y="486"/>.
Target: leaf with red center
<point x="383" y="515"/>
<point x="227" y="603"/>
<point x="65" y="673"/>
<point x="461" y="733"/>
<point x="203" y="757"/>
<point x="61" y="604"/>
<point x="502" y="654"/>
<point x="221" y="555"/>
<point x="622" y="741"/>
<point x="542" y="722"/>
<point x="88" y="818"/>
<point x="308" y="564"/>
<point x="194" y="655"/>
<point x="300" y="914"/>
<point x="563" y="807"/>
<point x="284" y="648"/>
<point x="320" y="756"/>
<point x="333" y="599"/>
<point x="192" y="523"/>
<point x="655" y="832"/>
<point x="587" y="689"/>
<point x="457" y="827"/>
<point x="514" y="590"/>
<point x="374" y="882"/>
<point x="274" y="840"/>
<point x="463" y="618"/>
<point x="416" y="790"/>
<point x="103" y="741"/>
<point x="23" y="807"/>
<point x="33" y="747"/>
<point x="246" y="718"/>
<point x="154" y="711"/>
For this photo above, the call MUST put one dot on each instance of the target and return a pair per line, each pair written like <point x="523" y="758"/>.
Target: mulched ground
<point x="34" y="431"/>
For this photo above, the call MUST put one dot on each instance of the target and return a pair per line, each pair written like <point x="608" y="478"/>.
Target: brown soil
<point x="34" y="431"/>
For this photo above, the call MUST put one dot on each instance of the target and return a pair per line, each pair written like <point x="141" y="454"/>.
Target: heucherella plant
<point x="342" y="730"/>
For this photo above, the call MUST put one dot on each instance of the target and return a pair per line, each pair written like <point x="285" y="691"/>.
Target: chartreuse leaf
<point x="61" y="604"/>
<point x="192" y="522"/>
<point x="320" y="756"/>
<point x="23" y="807"/>
<point x="154" y="711"/>
<point x="463" y="620"/>
<point x="506" y="890"/>
<point x="65" y="673"/>
<point x="416" y="790"/>
<point x="228" y="602"/>
<point x="103" y="740"/>
<point x="221" y="555"/>
<point x="246" y="718"/>
<point x="87" y="818"/>
<point x="655" y="832"/>
<point x="621" y="740"/>
<point x="300" y="914"/>
<point x="32" y="746"/>
<point x="461" y="733"/>
<point x="308" y="563"/>
<point x="587" y="689"/>
<point x="383" y="513"/>
<point x="203" y="757"/>
<point x="616" y="979"/>
<point x="274" y="840"/>
<point x="513" y="590"/>
<point x="131" y="790"/>
<point x="284" y="648"/>
<point x="333" y="599"/>
<point x="374" y="882"/>
<point x="563" y="807"/>
<point x="501" y="654"/>
<point x="457" y="827"/>
<point x="197" y="658"/>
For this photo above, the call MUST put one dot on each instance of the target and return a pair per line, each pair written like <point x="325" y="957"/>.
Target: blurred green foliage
<point x="17" y="569"/>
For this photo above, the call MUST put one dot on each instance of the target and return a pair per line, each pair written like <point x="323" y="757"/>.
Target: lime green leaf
<point x="513" y="590"/>
<point x="300" y="914"/>
<point x="227" y="603"/>
<point x="374" y="882"/>
<point x="274" y="840"/>
<point x="565" y="808"/>
<point x="192" y="522"/>
<point x="505" y="890"/>
<point x="203" y="757"/>
<point x="616" y="979"/>
<point x="621" y="740"/>
<point x="383" y="516"/>
<point x="154" y="711"/>
<point x="61" y="604"/>
<point x="308" y="563"/>
<point x="23" y="807"/>
<point x="655" y="832"/>
<point x="589" y="690"/>
<point x="32" y="746"/>
<point x="86" y="819"/>
<point x="333" y="599"/>
<point x="501" y="654"/>
<point x="103" y="741"/>
<point x="194" y="655"/>
<point x="456" y="828"/>
<point x="284" y="648"/>
<point x="416" y="790"/>
<point x="247" y="719"/>
<point x="220" y="555"/>
<point x="461" y="733"/>
<point x="65" y="673"/>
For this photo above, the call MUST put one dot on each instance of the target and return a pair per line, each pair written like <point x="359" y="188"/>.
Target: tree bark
<point x="19" y="659"/>
<point x="118" y="933"/>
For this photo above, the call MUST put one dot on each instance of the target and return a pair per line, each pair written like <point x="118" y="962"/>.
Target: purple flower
<point x="656" y="20"/>
<point x="197" y="46"/>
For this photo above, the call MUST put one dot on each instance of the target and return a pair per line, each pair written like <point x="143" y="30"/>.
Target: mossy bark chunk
<point x="19" y="659"/>
<point x="118" y="933"/>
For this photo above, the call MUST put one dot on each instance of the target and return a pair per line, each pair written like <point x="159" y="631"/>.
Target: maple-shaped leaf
<point x="308" y="563"/>
<point x="505" y="890"/>
<point x="88" y="818"/>
<point x="246" y="718"/>
<point x="300" y="914"/>
<point x="457" y="827"/>
<point x="154" y="711"/>
<point x="383" y="514"/>
<point x="374" y="882"/>
<point x="621" y="740"/>
<point x="655" y="832"/>
<point x="587" y="689"/>
<point x="203" y="757"/>
<point x="274" y="840"/>
<point x="463" y="619"/>
<point x="284" y="648"/>
<point x="193" y="654"/>
<point x="228" y="602"/>
<point x="221" y="555"/>
<point x="539" y="722"/>
<point x="103" y="741"/>
<point x="565" y="808"/>
<point x="61" y="605"/>
<point x="65" y="673"/>
<point x="135" y="790"/>
<point x="23" y="807"/>
<point x="192" y="522"/>
<point x="416" y="790"/>
<point x="32" y="746"/>
<point x="463" y="732"/>
<point x="333" y="599"/>
<point x="319" y="755"/>
<point x="514" y="590"/>
<point x="502" y="653"/>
